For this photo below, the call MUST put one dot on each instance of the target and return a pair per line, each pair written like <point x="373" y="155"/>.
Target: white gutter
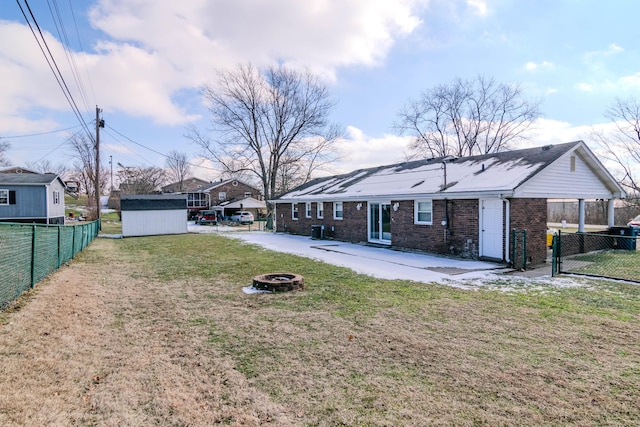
<point x="406" y="196"/>
<point x="507" y="230"/>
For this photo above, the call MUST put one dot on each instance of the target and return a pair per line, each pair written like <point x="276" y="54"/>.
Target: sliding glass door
<point x="380" y="222"/>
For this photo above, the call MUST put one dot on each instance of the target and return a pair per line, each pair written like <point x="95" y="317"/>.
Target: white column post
<point x="581" y="215"/>
<point x="612" y="213"/>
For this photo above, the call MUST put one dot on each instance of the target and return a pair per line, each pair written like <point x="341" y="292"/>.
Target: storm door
<point x="380" y="223"/>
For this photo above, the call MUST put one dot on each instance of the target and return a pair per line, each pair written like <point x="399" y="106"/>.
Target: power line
<point x="50" y="59"/>
<point x="158" y="152"/>
<point x="62" y="35"/>
<point x="39" y="134"/>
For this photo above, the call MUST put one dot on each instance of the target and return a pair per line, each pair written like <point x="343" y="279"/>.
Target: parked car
<point x="635" y="222"/>
<point x="243" y="217"/>
<point x="207" y="217"/>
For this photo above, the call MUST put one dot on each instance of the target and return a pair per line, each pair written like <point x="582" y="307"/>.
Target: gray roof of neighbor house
<point x="498" y="174"/>
<point x="216" y="184"/>
<point x="27" y="178"/>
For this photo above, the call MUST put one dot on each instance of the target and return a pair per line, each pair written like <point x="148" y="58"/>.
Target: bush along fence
<point x="611" y="254"/>
<point x="30" y="252"/>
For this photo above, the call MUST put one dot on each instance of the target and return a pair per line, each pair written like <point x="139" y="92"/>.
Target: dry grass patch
<point x="157" y="331"/>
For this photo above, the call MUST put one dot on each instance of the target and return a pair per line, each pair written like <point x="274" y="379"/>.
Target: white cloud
<point x="152" y="53"/>
<point x="533" y="66"/>
<point x="632" y="81"/>
<point x="362" y="151"/>
<point x="480" y="6"/>
<point x="584" y="87"/>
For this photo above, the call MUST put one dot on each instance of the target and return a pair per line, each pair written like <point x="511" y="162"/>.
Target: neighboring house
<point x="461" y="206"/>
<point x="148" y="215"/>
<point x="214" y="194"/>
<point x="31" y="197"/>
<point x="187" y="185"/>
<point x="17" y="169"/>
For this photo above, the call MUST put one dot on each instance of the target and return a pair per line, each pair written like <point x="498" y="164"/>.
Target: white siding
<point x="55" y="210"/>
<point x="149" y="223"/>
<point x="557" y="181"/>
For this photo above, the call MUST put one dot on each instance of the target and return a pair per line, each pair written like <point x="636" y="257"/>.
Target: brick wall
<point x="461" y="239"/>
<point x="531" y="215"/>
<point x="233" y="192"/>
<point x="353" y="228"/>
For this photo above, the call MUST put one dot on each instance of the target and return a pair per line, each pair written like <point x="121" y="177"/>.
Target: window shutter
<point x="12" y="197"/>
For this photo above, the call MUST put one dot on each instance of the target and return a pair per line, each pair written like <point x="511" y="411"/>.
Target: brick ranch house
<point x="459" y="206"/>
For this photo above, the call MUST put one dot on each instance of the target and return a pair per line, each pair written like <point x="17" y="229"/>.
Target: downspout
<point x="507" y="233"/>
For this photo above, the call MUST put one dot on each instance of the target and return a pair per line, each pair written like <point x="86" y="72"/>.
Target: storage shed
<point x="148" y="215"/>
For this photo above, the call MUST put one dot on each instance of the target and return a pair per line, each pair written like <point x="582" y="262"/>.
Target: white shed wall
<point x="150" y="223"/>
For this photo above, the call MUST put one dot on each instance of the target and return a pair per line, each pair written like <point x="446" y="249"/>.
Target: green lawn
<point x="175" y="341"/>
<point x="621" y="264"/>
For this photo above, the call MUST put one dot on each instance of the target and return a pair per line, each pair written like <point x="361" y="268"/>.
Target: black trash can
<point x="627" y="238"/>
<point x="317" y="232"/>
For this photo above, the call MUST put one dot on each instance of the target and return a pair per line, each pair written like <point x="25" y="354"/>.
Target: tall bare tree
<point x="622" y="146"/>
<point x="265" y="118"/>
<point x="466" y="117"/>
<point x="4" y="147"/>
<point x="84" y="170"/>
<point x="140" y="180"/>
<point x="46" y="166"/>
<point x="178" y="168"/>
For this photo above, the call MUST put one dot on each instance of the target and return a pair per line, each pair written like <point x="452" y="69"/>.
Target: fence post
<point x="33" y="255"/>
<point x="554" y="264"/>
<point x="59" y="246"/>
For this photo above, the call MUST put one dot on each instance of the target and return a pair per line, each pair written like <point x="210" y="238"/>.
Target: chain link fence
<point x="611" y="254"/>
<point x="29" y="252"/>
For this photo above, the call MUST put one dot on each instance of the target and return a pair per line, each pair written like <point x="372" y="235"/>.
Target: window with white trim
<point x="320" y="210"/>
<point x="222" y="195"/>
<point x="247" y="194"/>
<point x="337" y="210"/>
<point x="294" y="211"/>
<point x="307" y="209"/>
<point x="56" y="197"/>
<point x="423" y="212"/>
<point x="4" y="197"/>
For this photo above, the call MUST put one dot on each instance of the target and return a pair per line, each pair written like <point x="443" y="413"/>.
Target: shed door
<point x="491" y="221"/>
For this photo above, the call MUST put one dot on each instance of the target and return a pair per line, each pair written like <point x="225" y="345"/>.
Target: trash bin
<point x="628" y="239"/>
<point x="317" y="232"/>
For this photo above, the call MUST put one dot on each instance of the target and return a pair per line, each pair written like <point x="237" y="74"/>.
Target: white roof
<point x="248" y="203"/>
<point x="499" y="174"/>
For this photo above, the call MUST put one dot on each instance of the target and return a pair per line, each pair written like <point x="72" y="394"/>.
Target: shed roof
<point x="490" y="174"/>
<point x="27" y="178"/>
<point x="155" y="202"/>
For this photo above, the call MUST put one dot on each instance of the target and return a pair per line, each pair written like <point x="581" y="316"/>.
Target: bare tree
<point x="178" y="168"/>
<point x="466" y="117"/>
<point x="622" y="146"/>
<point x="266" y="118"/>
<point x="45" y="166"/>
<point x="85" y="169"/>
<point x="140" y="180"/>
<point x="4" y="147"/>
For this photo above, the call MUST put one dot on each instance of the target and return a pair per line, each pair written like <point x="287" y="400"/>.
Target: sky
<point x="144" y="63"/>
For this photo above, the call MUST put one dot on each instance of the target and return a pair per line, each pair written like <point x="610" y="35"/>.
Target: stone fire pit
<point x="279" y="282"/>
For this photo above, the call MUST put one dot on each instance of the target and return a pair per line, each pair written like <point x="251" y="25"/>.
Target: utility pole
<point x="99" y="124"/>
<point x="111" y="164"/>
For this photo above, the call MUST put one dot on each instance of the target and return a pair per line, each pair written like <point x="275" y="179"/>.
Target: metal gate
<point x="611" y="254"/>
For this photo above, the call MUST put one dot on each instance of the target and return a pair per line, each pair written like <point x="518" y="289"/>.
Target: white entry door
<point x="491" y="227"/>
